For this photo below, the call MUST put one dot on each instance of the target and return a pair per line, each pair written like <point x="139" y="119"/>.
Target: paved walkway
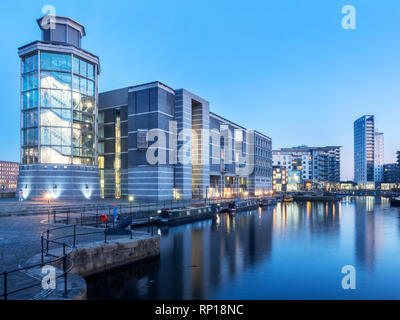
<point x="20" y="241"/>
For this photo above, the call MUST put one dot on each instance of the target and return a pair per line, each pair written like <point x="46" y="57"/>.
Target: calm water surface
<point x="290" y="251"/>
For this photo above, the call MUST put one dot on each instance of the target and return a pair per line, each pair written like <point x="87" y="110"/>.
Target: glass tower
<point x="364" y="149"/>
<point x="59" y="114"/>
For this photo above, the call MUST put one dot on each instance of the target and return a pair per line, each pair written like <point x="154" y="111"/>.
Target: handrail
<point x="65" y="270"/>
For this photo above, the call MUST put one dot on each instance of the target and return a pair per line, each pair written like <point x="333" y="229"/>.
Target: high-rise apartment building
<point x="59" y="114"/>
<point x="379" y="156"/>
<point x="364" y="149"/>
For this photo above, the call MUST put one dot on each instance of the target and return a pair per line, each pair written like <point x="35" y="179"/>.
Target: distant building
<point x="294" y="180"/>
<point x="364" y="149"/>
<point x="391" y="173"/>
<point x="312" y="163"/>
<point x="279" y="178"/>
<point x="398" y="157"/>
<point x="379" y="156"/>
<point x="8" y="176"/>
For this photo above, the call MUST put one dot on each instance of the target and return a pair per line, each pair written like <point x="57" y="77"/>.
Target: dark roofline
<point x="14" y="162"/>
<point x="294" y="149"/>
<point x="149" y="83"/>
<point x="83" y="33"/>
<point x="58" y="44"/>
<point x="214" y="114"/>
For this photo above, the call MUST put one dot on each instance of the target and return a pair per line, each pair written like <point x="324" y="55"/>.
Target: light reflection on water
<point x="290" y="251"/>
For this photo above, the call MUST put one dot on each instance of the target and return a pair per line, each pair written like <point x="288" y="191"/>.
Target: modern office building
<point x="364" y="149"/>
<point x="379" y="156"/>
<point x="8" y="176"/>
<point x="59" y="114"/>
<point x="157" y="143"/>
<point x="391" y="173"/>
<point x="313" y="163"/>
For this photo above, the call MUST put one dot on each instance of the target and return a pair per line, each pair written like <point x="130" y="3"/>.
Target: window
<point x="55" y="61"/>
<point x="51" y="98"/>
<point x="29" y="81"/>
<point x="29" y="63"/>
<point x="55" y="80"/>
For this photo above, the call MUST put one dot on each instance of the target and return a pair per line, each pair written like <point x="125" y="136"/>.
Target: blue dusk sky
<point x="286" y="68"/>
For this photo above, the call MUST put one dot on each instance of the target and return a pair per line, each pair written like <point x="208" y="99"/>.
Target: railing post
<point x="5" y="285"/>
<point x="42" y="251"/>
<point x="54" y="216"/>
<point x="65" y="270"/>
<point x="105" y="236"/>
<point x="97" y="218"/>
<point x="131" y="229"/>
<point x="47" y="242"/>
<point x="74" y="235"/>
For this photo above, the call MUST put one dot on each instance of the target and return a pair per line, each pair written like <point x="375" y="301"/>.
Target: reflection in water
<point x="369" y="229"/>
<point x="292" y="250"/>
<point x="315" y="217"/>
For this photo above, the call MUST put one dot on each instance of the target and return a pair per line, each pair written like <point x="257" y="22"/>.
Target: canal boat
<point x="264" y="202"/>
<point x="244" y="205"/>
<point x="287" y="199"/>
<point x="186" y="215"/>
<point x="395" y="202"/>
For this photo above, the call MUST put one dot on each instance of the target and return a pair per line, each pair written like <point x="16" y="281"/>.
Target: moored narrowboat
<point x="187" y="215"/>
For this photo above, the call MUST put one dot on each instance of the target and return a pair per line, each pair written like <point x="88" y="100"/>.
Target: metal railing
<point x="90" y="216"/>
<point x="53" y="261"/>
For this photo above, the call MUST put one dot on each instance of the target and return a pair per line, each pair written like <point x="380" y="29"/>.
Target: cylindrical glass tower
<point x="59" y="114"/>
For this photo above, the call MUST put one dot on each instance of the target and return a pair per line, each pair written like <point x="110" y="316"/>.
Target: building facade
<point x="364" y="149"/>
<point x="310" y="163"/>
<point x="59" y="114"/>
<point x="157" y="143"/>
<point x="8" y="176"/>
<point x="391" y="173"/>
<point x="279" y="178"/>
<point x="379" y="156"/>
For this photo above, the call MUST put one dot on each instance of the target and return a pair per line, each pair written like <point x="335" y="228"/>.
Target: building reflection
<point x="369" y="229"/>
<point x="315" y="217"/>
<point x="207" y="254"/>
<point x="205" y="259"/>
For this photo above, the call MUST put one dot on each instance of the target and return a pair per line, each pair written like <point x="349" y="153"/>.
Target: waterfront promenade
<point x="20" y="241"/>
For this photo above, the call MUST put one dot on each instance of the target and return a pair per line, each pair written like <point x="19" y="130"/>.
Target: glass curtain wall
<point x="29" y="109"/>
<point x="66" y="92"/>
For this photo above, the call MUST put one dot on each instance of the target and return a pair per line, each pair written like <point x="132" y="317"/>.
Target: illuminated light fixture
<point x="47" y="196"/>
<point x="87" y="192"/>
<point x="131" y="198"/>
